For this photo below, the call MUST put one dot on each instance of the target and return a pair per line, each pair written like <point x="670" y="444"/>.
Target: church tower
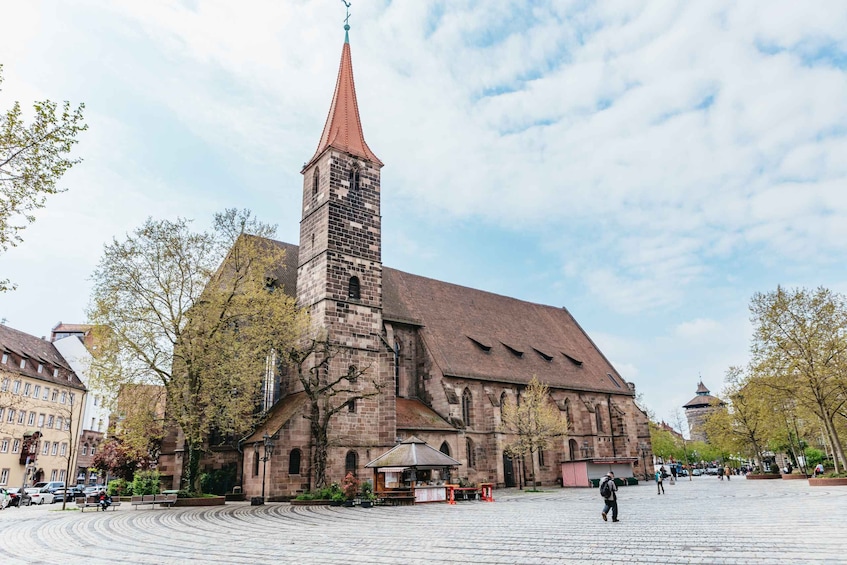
<point x="339" y="273"/>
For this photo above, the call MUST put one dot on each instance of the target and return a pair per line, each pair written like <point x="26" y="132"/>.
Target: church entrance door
<point x="508" y="471"/>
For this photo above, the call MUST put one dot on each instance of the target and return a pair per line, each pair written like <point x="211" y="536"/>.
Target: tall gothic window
<point x="568" y="414"/>
<point x="316" y="180"/>
<point x="466" y="408"/>
<point x="354" y="177"/>
<point x="503" y="398"/>
<point x="445" y="448"/>
<point x="354" y="288"/>
<point x="598" y="418"/>
<point x="294" y="462"/>
<point x="351" y="462"/>
<point x="471" y="455"/>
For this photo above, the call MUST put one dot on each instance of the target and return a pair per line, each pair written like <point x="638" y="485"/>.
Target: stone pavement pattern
<point x="699" y="521"/>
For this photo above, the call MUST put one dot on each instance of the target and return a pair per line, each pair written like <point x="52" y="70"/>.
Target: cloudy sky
<point x="648" y="165"/>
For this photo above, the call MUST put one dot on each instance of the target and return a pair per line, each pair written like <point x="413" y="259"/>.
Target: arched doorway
<point x="508" y="471"/>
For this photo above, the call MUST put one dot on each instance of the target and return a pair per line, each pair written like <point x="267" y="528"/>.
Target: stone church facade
<point x="447" y="357"/>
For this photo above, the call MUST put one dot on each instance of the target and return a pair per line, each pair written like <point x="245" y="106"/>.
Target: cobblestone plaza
<point x="701" y="521"/>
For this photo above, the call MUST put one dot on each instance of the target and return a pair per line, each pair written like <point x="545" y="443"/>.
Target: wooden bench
<point x="396" y="497"/>
<point x="84" y="502"/>
<point x="166" y="500"/>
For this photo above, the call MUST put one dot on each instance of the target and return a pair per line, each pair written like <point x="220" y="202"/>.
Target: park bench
<point x="93" y="501"/>
<point x="167" y="500"/>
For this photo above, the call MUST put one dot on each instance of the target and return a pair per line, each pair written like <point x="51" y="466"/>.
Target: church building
<point x="447" y="357"/>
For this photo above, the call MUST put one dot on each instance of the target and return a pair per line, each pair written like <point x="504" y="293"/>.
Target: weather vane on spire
<point x="347" y="19"/>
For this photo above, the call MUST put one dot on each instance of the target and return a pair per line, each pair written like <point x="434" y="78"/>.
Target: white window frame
<point x="4" y="445"/>
<point x="4" y="476"/>
<point x="45" y="448"/>
<point x="41" y="420"/>
<point x="55" y="449"/>
<point x="31" y="420"/>
<point x="27" y="388"/>
<point x="63" y="449"/>
<point x="16" y="446"/>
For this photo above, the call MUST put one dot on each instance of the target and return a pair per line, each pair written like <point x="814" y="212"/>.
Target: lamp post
<point x="644" y="451"/>
<point x="269" y="444"/>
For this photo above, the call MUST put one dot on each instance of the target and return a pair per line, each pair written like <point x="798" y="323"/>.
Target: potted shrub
<point x="350" y="488"/>
<point x="366" y="494"/>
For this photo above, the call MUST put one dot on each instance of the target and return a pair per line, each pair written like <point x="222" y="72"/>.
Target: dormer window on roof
<point x="479" y="344"/>
<point x="55" y="373"/>
<point x="513" y="351"/>
<point x="543" y="355"/>
<point x="573" y="360"/>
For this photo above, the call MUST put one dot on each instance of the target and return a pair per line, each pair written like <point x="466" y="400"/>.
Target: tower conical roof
<point x="343" y="128"/>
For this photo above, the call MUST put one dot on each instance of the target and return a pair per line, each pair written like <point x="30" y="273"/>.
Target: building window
<point x="256" y="463"/>
<point x="93" y="450"/>
<point x="471" y="455"/>
<point x="598" y="418"/>
<point x="36" y="392"/>
<point x="54" y="474"/>
<point x="294" y="462"/>
<point x="354" y="177"/>
<point x="5" y="386"/>
<point x="41" y="420"/>
<point x="67" y="424"/>
<point x="540" y="457"/>
<point x="5" y="358"/>
<point x="4" y="446"/>
<point x="62" y="475"/>
<point x="503" y="398"/>
<point x="11" y="418"/>
<point x="21" y="416"/>
<point x="50" y="420"/>
<point x="445" y="448"/>
<point x="4" y="475"/>
<point x="92" y="424"/>
<point x="55" y="449"/>
<point x="40" y="367"/>
<point x="466" y="408"/>
<point x="46" y="393"/>
<point x="85" y="449"/>
<point x="55" y="395"/>
<point x="100" y="425"/>
<point x="16" y="446"/>
<point x="16" y="389"/>
<point x="55" y="373"/>
<point x="45" y="448"/>
<point x="64" y="397"/>
<point x="31" y="420"/>
<point x="23" y="363"/>
<point x="351" y="405"/>
<point x="27" y="388"/>
<point x="64" y="450"/>
<point x="316" y="181"/>
<point x="354" y="291"/>
<point x="351" y="462"/>
<point x="59" y="423"/>
<point x="568" y="418"/>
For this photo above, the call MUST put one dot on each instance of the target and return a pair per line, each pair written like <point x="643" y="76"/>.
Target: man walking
<point x="608" y="490"/>
<point x="660" y="488"/>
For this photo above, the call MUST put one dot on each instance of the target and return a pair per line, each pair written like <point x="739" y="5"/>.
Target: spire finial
<point x="346" y="21"/>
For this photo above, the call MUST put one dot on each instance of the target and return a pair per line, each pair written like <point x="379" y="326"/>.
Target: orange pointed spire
<point x="343" y="128"/>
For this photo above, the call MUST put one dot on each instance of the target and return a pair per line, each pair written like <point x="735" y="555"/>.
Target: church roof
<point x="343" y="127"/>
<point x="278" y="415"/>
<point x="415" y="415"/>
<point x="480" y="335"/>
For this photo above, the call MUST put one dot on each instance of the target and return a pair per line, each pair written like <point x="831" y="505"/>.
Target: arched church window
<point x="445" y="448"/>
<point x="353" y="289"/>
<point x="316" y="180"/>
<point x="354" y="176"/>
<point x="351" y="462"/>
<point x="471" y="456"/>
<point x="466" y="407"/>
<point x="568" y="417"/>
<point x="294" y="462"/>
<point x="572" y="449"/>
<point x="598" y="418"/>
<point x="503" y="398"/>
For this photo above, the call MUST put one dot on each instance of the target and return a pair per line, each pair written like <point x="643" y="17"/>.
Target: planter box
<point x="794" y="477"/>
<point x="828" y="482"/>
<point x="204" y="501"/>
<point x="235" y="497"/>
<point x="752" y="477"/>
<point x="310" y="503"/>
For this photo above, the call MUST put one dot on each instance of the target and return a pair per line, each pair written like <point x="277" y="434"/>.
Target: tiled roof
<point x="702" y="400"/>
<point x="476" y="334"/>
<point x="343" y="127"/>
<point x="40" y="351"/>
<point x="457" y="323"/>
<point x="413" y="452"/>
<point x="415" y="415"/>
<point x="281" y="412"/>
<point x="72" y="328"/>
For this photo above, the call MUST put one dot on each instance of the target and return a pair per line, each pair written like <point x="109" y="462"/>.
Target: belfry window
<point x="353" y="289"/>
<point x="316" y="181"/>
<point x="354" y="177"/>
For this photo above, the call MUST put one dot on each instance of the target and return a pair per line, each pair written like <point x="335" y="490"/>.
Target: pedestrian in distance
<point x="660" y="488"/>
<point x="608" y="490"/>
<point x="726" y="472"/>
<point x="720" y="473"/>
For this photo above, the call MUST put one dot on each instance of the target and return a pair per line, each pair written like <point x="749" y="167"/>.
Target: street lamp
<point x="269" y="444"/>
<point x="645" y="449"/>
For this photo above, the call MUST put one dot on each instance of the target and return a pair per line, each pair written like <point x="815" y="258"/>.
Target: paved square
<point x="701" y="521"/>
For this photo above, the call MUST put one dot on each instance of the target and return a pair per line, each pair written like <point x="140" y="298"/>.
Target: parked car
<point x="696" y="472"/>
<point x="93" y="489"/>
<point x="4" y="498"/>
<point x="68" y="494"/>
<point x="51" y="486"/>
<point x="712" y="471"/>
<point x="16" y="498"/>
<point x="40" y="495"/>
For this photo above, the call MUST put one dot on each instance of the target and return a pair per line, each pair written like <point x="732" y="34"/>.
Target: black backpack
<point x="606" y="488"/>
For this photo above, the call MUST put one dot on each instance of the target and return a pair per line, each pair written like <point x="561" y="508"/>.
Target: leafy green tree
<point x="534" y="419"/>
<point x="197" y="313"/>
<point x="33" y="157"/>
<point x="800" y="343"/>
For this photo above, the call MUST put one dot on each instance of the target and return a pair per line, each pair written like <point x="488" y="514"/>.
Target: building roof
<point x="39" y="351"/>
<point x="701" y="388"/>
<point x="278" y="415"/>
<point x="71" y="328"/>
<point x="413" y="452"/>
<point x="702" y="400"/>
<point x="480" y="335"/>
<point x="415" y="415"/>
<point x="343" y="127"/>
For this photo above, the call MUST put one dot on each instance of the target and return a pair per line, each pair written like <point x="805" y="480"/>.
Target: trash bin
<point x="256" y="501"/>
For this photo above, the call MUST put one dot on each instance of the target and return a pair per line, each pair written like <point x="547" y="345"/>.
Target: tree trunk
<point x="835" y="442"/>
<point x="191" y="476"/>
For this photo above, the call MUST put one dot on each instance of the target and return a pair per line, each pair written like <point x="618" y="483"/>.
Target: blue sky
<point x="648" y="165"/>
